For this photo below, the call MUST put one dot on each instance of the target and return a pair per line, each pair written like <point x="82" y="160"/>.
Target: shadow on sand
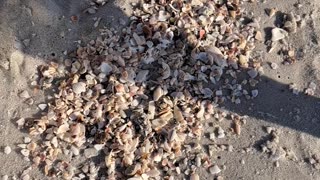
<point x="273" y="104"/>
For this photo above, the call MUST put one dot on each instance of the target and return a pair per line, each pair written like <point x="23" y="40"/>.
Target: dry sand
<point x="47" y="25"/>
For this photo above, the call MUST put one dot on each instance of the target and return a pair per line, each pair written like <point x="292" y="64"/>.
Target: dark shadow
<point x="50" y="28"/>
<point x="277" y="104"/>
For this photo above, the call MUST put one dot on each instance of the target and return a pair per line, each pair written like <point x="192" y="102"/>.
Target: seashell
<point x="136" y="178"/>
<point x="151" y="110"/>
<point x="90" y="152"/>
<point x="252" y="73"/>
<point x="20" y="122"/>
<point x="158" y="123"/>
<point x="163" y="16"/>
<point x="192" y="40"/>
<point x="139" y="39"/>
<point x="258" y="36"/>
<point x="194" y="176"/>
<point x="142" y="76"/>
<point x="243" y="61"/>
<point x="32" y="146"/>
<point x="272" y="12"/>
<point x="158" y="93"/>
<point x="291" y="23"/>
<point x="24" y="94"/>
<point x="75" y="151"/>
<point x="166" y="71"/>
<point x="42" y="106"/>
<point x="278" y="34"/>
<point x="254" y="93"/>
<point x="237" y="127"/>
<point x="62" y="129"/>
<point x="133" y="169"/>
<point x="207" y="92"/>
<point x="216" y="55"/>
<point x="25" y="152"/>
<point x="79" y="87"/>
<point x="120" y="61"/>
<point x="105" y="68"/>
<point x="153" y="173"/>
<point x="178" y="115"/>
<point x="7" y="150"/>
<point x="214" y="170"/>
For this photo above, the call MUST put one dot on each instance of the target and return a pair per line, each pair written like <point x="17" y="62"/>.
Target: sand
<point x="46" y="24"/>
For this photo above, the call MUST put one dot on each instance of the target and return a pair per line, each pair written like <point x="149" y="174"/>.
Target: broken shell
<point x="291" y="23"/>
<point x="20" y="122"/>
<point x="194" y="177"/>
<point x="214" y="170"/>
<point x="258" y="36"/>
<point x="7" y="150"/>
<point x="142" y="76"/>
<point x="42" y="107"/>
<point x="32" y="146"/>
<point x="133" y="169"/>
<point x="278" y="34"/>
<point x="253" y="73"/>
<point x="237" y="127"/>
<point x="25" y="152"/>
<point x="272" y="12"/>
<point x="158" y="93"/>
<point x="105" y="68"/>
<point x="243" y="61"/>
<point x="24" y="94"/>
<point x="274" y="66"/>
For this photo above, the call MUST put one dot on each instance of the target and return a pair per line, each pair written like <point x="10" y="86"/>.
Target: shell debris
<point x="140" y="94"/>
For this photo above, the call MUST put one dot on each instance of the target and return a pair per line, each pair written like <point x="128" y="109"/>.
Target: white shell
<point x="214" y="169"/>
<point x="278" y="34"/>
<point x="158" y="93"/>
<point x="7" y="150"/>
<point x="79" y="87"/>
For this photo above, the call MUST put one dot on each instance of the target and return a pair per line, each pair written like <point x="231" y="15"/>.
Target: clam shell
<point x="79" y="87"/>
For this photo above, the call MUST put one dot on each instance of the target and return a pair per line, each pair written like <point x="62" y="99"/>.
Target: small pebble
<point x="7" y="150"/>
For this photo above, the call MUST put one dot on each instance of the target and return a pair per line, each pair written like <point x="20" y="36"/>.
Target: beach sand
<point x="36" y="32"/>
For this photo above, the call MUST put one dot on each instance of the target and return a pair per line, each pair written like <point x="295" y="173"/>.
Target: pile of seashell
<point x="137" y="96"/>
